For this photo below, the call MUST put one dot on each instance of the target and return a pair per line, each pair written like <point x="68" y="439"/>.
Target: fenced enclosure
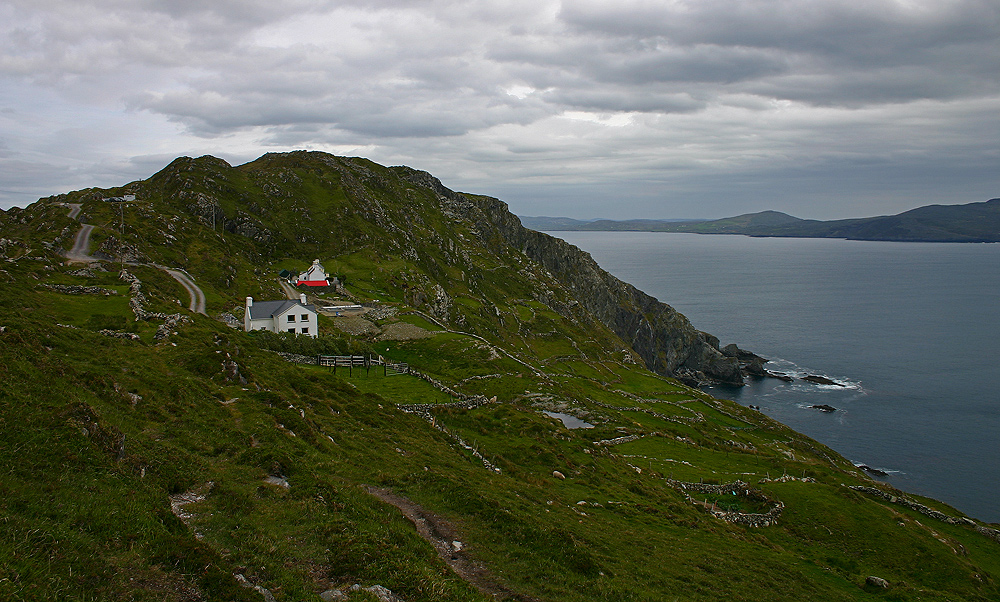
<point x="366" y="362"/>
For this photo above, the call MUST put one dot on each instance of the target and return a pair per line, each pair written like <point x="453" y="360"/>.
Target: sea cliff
<point x="663" y="337"/>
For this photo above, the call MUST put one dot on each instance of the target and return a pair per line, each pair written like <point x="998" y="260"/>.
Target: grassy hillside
<point x="190" y="462"/>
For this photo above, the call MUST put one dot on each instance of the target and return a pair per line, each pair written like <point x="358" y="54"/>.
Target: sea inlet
<point x="911" y="329"/>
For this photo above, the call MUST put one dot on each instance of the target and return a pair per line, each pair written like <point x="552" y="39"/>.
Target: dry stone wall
<point x="738" y="488"/>
<point x="76" y="289"/>
<point x="993" y="534"/>
<point x="138" y="303"/>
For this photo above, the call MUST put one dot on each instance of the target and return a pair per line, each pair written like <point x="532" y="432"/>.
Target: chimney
<point x="249" y="301"/>
<point x="302" y="298"/>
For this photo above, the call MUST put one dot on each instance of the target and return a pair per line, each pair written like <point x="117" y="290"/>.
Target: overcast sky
<point x="597" y="108"/>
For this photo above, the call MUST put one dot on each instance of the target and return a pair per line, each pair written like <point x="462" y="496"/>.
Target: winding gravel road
<point x="290" y="292"/>
<point x="81" y="246"/>
<point x="197" y="295"/>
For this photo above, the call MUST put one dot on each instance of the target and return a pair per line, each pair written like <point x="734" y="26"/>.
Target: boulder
<point x="871" y="470"/>
<point x="876" y="582"/>
<point x="822" y="380"/>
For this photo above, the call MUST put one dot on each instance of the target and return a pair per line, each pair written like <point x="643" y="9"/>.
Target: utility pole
<point x="121" y="233"/>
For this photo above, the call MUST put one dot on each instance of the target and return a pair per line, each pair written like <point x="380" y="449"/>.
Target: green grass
<point x="419" y="321"/>
<point x="97" y="433"/>
<point x="401" y="388"/>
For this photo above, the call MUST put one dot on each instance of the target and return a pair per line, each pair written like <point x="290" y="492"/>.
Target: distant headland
<point x="972" y="222"/>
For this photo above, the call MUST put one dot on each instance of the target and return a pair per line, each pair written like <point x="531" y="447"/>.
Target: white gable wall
<point x="298" y="319"/>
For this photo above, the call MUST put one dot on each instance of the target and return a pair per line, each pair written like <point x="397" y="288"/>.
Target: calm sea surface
<point x="913" y="329"/>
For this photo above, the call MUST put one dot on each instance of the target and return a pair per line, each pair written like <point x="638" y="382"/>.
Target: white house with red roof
<point x="314" y="276"/>
<point x="287" y="315"/>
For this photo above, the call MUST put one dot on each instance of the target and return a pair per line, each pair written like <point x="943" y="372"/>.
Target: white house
<point x="314" y="276"/>
<point x="287" y="315"/>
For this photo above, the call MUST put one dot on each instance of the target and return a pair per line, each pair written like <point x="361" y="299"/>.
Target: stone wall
<point x="993" y="534"/>
<point x="138" y="303"/>
<point x="617" y="440"/>
<point x="76" y="289"/>
<point x="296" y="358"/>
<point x="424" y="410"/>
<point x="738" y="488"/>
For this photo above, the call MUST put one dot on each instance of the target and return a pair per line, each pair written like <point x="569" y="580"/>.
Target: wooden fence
<point x="367" y="362"/>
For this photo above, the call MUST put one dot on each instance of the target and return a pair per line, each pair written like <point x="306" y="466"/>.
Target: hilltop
<point x="154" y="452"/>
<point x="972" y="222"/>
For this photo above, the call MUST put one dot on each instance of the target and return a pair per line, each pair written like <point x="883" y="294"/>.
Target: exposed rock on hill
<point x="662" y="336"/>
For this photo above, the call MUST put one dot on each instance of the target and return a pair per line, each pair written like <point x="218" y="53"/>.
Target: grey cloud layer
<point x="506" y="95"/>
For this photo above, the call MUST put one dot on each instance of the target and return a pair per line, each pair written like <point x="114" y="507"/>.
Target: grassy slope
<point x="89" y="468"/>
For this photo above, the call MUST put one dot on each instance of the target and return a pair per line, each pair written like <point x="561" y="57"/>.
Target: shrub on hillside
<point x="324" y="344"/>
<point x="109" y="322"/>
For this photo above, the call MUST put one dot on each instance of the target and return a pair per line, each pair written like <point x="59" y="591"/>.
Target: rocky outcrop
<point x="750" y="363"/>
<point x="665" y="340"/>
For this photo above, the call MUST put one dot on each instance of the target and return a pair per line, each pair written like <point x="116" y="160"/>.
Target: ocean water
<point x="911" y="329"/>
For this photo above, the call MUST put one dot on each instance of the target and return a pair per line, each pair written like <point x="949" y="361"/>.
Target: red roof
<point x="312" y="283"/>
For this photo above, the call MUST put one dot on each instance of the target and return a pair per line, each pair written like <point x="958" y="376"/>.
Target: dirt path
<point x="447" y="542"/>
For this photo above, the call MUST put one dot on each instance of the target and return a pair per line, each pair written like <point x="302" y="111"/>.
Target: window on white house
<point x="291" y="330"/>
<point x="305" y="331"/>
<point x="305" y="317"/>
<point x="291" y="317"/>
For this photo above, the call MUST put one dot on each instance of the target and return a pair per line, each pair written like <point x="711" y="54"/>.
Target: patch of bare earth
<point x="356" y="326"/>
<point x="448" y="544"/>
<point x="403" y="331"/>
<point x="163" y="585"/>
<point x="192" y="496"/>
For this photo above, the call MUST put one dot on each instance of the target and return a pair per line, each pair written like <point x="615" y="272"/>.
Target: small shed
<point x="286" y="315"/>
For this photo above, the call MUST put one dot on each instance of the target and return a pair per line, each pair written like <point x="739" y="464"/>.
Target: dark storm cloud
<point x="837" y="45"/>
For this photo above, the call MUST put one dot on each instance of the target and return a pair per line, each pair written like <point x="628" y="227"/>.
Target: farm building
<point x="314" y="276"/>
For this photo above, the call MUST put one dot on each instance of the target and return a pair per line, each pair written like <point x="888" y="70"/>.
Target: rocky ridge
<point x="664" y="338"/>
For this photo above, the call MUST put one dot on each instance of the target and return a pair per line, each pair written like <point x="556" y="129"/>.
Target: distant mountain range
<point x="973" y="222"/>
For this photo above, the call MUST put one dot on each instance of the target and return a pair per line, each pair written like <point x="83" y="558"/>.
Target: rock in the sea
<point x="779" y="376"/>
<point x="750" y="363"/>
<point x="823" y="408"/>
<point x="874" y="471"/>
<point x="822" y="380"/>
